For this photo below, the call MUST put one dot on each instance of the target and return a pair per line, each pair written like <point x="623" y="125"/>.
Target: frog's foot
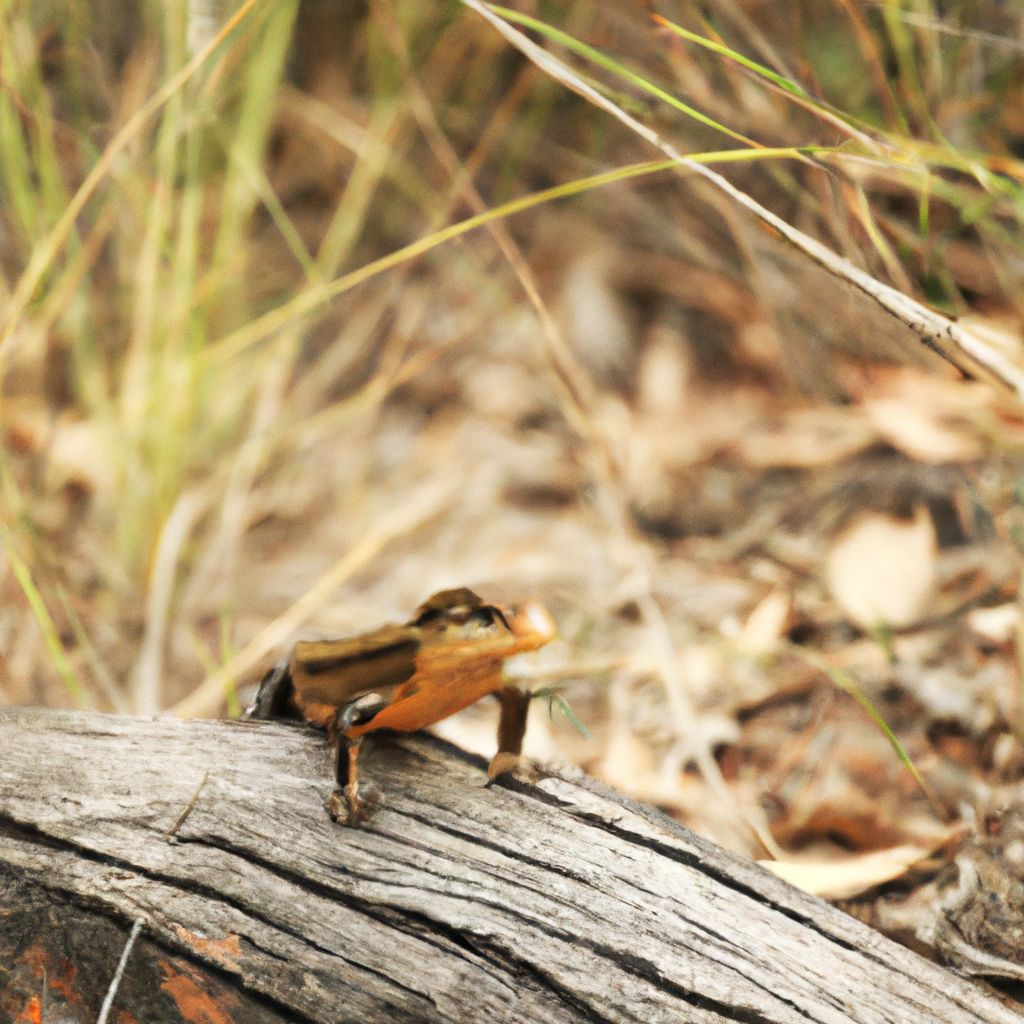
<point x="348" y="807"/>
<point x="502" y="762"/>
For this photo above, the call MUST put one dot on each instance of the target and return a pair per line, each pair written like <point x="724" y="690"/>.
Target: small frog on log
<point x="448" y="656"/>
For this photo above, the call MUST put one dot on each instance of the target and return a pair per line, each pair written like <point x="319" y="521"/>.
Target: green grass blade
<point x="256" y="330"/>
<point x="265" y="64"/>
<point x="725" y="51"/>
<point x="553" y="695"/>
<point x="50" y="634"/>
<point x="903" y="148"/>
<point x="45" y="252"/>
<point x="260" y="186"/>
<point x="563" y="705"/>
<point x="597" y="57"/>
<point x="16" y="173"/>
<point x="846" y="682"/>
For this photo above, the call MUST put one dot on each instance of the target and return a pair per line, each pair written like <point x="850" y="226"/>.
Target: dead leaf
<point x="765" y="625"/>
<point x="881" y="570"/>
<point x="997" y="624"/>
<point x="806" y="437"/>
<point x="929" y="418"/>
<point x="922" y="433"/>
<point x="850" y="876"/>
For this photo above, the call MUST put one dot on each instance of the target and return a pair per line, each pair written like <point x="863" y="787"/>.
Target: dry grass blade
<point x="187" y="510"/>
<point x="313" y="297"/>
<point x="45" y="252"/>
<point x="963" y="349"/>
<point x="423" y="504"/>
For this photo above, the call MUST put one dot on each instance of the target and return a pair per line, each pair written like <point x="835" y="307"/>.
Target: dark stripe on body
<point x="402" y="649"/>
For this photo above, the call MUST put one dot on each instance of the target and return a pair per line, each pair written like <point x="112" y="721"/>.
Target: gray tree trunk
<point x="555" y="901"/>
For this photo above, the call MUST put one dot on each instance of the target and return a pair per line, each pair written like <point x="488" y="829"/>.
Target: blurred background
<point x="261" y="381"/>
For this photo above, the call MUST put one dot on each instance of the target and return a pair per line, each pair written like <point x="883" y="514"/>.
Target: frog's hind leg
<point x="275" y="697"/>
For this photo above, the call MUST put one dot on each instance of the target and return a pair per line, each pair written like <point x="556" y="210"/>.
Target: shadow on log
<point x="552" y="901"/>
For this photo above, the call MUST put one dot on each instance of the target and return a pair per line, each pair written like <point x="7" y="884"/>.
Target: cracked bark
<point x="553" y="901"/>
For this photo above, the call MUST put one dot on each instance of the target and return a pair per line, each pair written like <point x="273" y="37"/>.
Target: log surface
<point x="551" y="901"/>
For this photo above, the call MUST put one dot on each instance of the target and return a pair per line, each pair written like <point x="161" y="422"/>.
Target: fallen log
<point x="551" y="900"/>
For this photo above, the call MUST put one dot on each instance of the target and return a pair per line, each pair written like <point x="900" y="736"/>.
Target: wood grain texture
<point x="551" y="901"/>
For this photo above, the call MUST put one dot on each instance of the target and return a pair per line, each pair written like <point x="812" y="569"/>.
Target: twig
<point x="173" y="830"/>
<point x="119" y="973"/>
<point x="961" y="348"/>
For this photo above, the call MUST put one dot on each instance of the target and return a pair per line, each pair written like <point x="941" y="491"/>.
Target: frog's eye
<point x="489" y="616"/>
<point x="451" y="613"/>
<point x="457" y="604"/>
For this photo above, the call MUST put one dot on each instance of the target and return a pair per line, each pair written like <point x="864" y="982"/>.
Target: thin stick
<point x="173" y="830"/>
<point x="119" y="973"/>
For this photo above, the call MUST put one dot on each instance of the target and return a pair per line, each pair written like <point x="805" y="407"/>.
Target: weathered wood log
<point x="556" y="900"/>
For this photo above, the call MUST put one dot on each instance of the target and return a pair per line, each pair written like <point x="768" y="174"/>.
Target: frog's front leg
<point x="515" y="704"/>
<point x="346" y="805"/>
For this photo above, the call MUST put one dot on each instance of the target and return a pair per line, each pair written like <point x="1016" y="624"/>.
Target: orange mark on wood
<point x="194" y="1005"/>
<point x="37" y="959"/>
<point x="223" y="951"/>
<point x="60" y="978"/>
<point x="63" y="982"/>
<point x="33" y="1012"/>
